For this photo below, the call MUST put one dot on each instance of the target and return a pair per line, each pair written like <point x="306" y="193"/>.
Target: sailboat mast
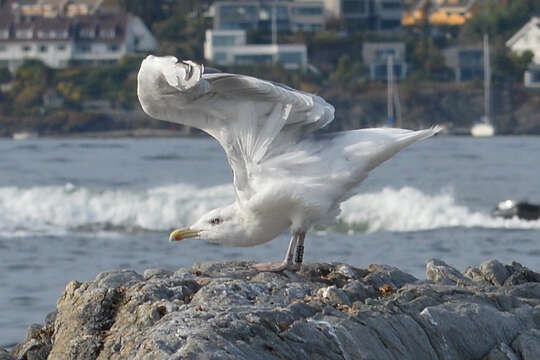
<point x="487" y="81"/>
<point x="390" y="89"/>
<point x="274" y="23"/>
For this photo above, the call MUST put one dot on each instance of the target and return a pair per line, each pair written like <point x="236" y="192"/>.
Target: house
<point x="66" y="8"/>
<point x="367" y="14"/>
<point x="228" y="47"/>
<point x="466" y="62"/>
<point x="357" y="14"/>
<point x="387" y="14"/>
<point x="255" y="15"/>
<point x="528" y="39"/>
<point x="101" y="38"/>
<point x="438" y="12"/>
<point x="375" y="56"/>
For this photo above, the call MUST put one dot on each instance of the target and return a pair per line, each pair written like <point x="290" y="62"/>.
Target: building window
<point x="87" y="33"/>
<point x="61" y="47"/>
<point x="3" y="48"/>
<point x="353" y="7"/>
<point x="26" y="48"/>
<point x="24" y="34"/>
<point x="382" y="54"/>
<point x="390" y="24"/>
<point x="220" y="57"/>
<point x="83" y="48"/>
<point x="253" y="59"/>
<point x="223" y="40"/>
<point x="535" y="76"/>
<point x="238" y="17"/>
<point x="41" y="34"/>
<point x="471" y="58"/>
<point x="290" y="57"/>
<point x="391" y="5"/>
<point x="308" y="11"/>
<point x="113" y="47"/>
<point x="107" y="33"/>
<point x="42" y="48"/>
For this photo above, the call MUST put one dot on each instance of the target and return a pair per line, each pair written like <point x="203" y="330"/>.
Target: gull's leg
<point x="287" y="263"/>
<point x="300" y="249"/>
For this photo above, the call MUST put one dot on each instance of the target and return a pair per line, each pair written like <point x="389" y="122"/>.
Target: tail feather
<point x="380" y="144"/>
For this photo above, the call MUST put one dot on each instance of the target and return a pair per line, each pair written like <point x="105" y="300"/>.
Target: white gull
<point x="286" y="174"/>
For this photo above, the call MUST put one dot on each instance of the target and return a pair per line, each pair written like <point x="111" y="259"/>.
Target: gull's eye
<point x="215" y="221"/>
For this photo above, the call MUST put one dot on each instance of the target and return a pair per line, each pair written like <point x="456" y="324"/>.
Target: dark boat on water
<point x="521" y="209"/>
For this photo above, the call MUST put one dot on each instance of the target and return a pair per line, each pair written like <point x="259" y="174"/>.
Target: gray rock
<point x="380" y="275"/>
<point x="226" y="310"/>
<point x="157" y="273"/>
<point x="527" y="344"/>
<point x="520" y="274"/>
<point x="494" y="272"/>
<point x="501" y="352"/>
<point x="474" y="274"/>
<point x="5" y="355"/>
<point x="438" y="271"/>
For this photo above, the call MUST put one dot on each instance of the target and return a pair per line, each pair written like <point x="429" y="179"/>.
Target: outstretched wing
<point x="252" y="119"/>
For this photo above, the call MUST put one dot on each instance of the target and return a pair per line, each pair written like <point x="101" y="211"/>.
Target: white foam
<point x="58" y="210"/>
<point x="409" y="209"/>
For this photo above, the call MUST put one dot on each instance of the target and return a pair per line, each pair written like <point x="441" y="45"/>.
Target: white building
<point x="228" y="47"/>
<point x="528" y="38"/>
<point x="59" y="41"/>
<point x="375" y="56"/>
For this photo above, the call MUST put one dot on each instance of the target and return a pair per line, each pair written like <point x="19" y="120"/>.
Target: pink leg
<point x="288" y="262"/>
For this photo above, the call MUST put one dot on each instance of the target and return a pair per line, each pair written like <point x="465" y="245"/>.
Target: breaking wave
<point x="57" y="210"/>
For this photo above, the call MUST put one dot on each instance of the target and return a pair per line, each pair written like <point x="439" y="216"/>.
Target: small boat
<point x="521" y="209"/>
<point x="24" y="135"/>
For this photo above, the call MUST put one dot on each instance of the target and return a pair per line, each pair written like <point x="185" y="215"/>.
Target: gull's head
<point x="165" y="71"/>
<point x="223" y="225"/>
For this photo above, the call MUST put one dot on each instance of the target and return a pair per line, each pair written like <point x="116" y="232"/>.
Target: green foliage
<point x="5" y="75"/>
<point x="427" y="61"/>
<point x="498" y="20"/>
<point x="508" y="67"/>
<point x="181" y="35"/>
<point x="149" y="11"/>
<point x="28" y="97"/>
<point x="31" y="73"/>
<point x="350" y="74"/>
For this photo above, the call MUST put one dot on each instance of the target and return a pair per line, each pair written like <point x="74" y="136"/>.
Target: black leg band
<point x="299" y="254"/>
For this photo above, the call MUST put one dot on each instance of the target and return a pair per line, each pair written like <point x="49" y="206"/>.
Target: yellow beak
<point x="181" y="234"/>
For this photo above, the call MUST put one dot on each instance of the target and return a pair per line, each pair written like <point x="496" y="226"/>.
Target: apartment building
<point x="228" y="47"/>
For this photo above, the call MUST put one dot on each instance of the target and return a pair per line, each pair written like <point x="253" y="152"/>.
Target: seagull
<point x="286" y="174"/>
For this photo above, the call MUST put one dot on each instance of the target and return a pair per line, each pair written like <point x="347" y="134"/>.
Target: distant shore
<point x="136" y="133"/>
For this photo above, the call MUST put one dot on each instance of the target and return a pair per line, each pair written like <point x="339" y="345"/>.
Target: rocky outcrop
<point x="326" y="311"/>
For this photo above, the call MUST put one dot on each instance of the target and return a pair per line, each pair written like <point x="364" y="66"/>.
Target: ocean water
<point x="70" y="208"/>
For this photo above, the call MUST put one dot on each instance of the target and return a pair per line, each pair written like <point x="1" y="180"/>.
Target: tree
<point x="5" y="75"/>
<point x="498" y="19"/>
<point x="149" y="11"/>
